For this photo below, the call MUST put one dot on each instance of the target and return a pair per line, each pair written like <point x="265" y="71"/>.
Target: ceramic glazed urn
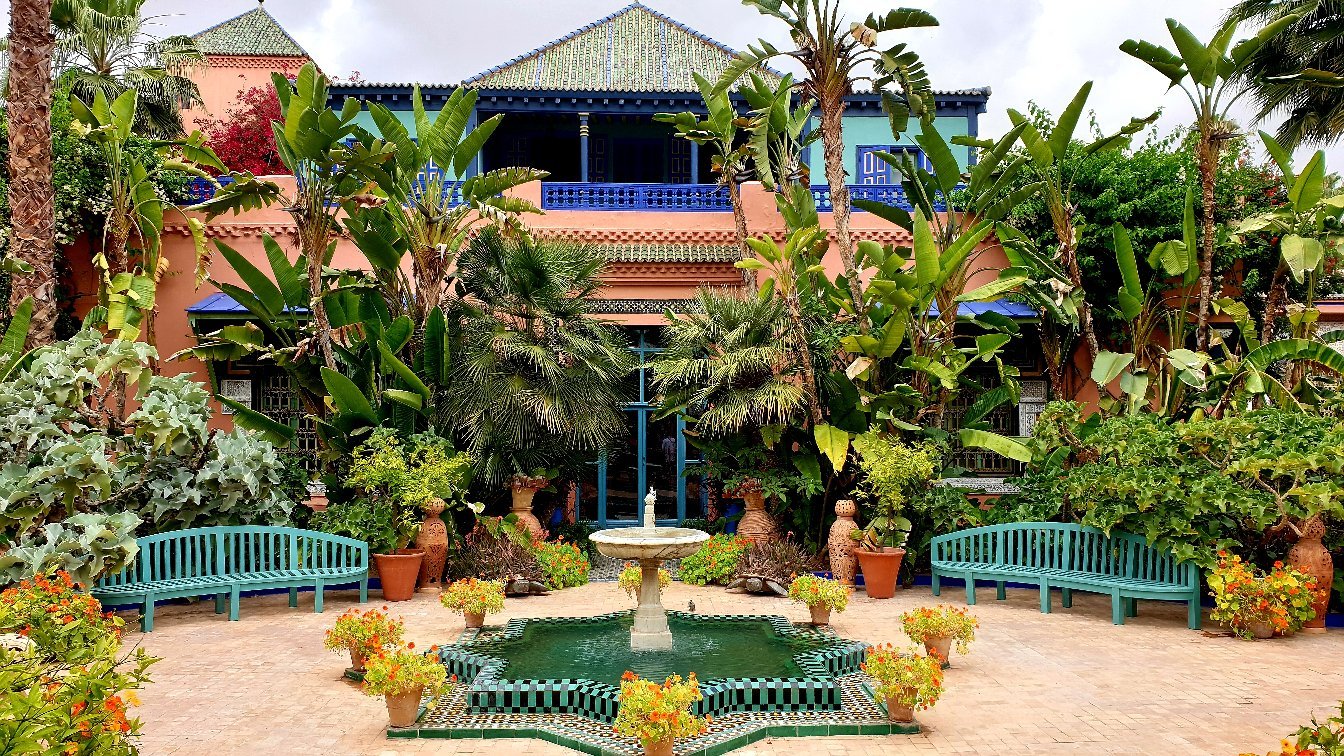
<point x="1310" y="556"/>
<point x="524" y="488"/>
<point x="433" y="539"/>
<point x="756" y="524"/>
<point x="840" y="545"/>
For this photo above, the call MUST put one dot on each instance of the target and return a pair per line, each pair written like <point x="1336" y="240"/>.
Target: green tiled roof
<point x="633" y="50"/>
<point x="253" y="33"/>
<point x="670" y="253"/>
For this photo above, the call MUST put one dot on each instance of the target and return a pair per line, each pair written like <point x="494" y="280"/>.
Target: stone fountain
<point x="650" y="546"/>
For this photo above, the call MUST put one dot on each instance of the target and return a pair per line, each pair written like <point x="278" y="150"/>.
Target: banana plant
<point x="1211" y="77"/>
<point x="135" y="212"/>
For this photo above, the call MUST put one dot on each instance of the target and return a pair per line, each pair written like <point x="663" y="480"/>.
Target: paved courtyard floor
<point x="1067" y="682"/>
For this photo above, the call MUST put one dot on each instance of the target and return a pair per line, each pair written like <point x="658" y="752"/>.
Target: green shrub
<point x="564" y="565"/>
<point x="715" y="562"/>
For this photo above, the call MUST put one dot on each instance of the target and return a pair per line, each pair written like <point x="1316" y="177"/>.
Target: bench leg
<point x="1066" y="598"/>
<point x="1045" y="596"/>
<point x="233" y="604"/>
<point x="317" y="600"/>
<point x="1133" y="608"/>
<point x="1001" y="590"/>
<point x="364" y="591"/>
<point x="1118" y="608"/>
<point x="937" y="582"/>
<point x="970" y="588"/>
<point x="293" y="597"/>
<point x="147" y="618"/>
<point x="220" y="599"/>
<point x="1195" y="612"/>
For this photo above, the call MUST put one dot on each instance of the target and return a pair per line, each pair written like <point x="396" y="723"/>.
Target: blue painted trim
<point x="681" y="468"/>
<point x="575" y="195"/>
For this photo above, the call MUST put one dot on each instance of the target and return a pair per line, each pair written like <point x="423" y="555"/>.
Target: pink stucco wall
<point x="224" y="76"/>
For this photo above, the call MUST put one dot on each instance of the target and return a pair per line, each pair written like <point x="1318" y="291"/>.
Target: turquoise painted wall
<point x="876" y="129"/>
<point x="407" y="119"/>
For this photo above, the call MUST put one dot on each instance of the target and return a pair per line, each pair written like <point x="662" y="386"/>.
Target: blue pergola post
<point x="583" y="147"/>
<point x="695" y="163"/>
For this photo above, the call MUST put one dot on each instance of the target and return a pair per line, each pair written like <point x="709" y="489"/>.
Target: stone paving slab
<point x="1067" y="682"/>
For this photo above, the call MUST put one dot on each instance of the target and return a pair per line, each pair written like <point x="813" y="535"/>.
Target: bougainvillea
<point x="243" y="139"/>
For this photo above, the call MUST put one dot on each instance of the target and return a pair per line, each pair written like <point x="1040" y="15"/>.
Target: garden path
<point x="1068" y="682"/>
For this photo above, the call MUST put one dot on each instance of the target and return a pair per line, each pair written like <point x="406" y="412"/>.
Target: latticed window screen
<point x="1002" y="420"/>
<point x="278" y="401"/>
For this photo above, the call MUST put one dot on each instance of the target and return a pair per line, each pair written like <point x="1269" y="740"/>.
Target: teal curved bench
<point x="225" y="561"/>
<point x="1069" y="557"/>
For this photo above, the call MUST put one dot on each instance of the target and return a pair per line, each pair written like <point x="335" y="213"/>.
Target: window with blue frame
<point x="874" y="170"/>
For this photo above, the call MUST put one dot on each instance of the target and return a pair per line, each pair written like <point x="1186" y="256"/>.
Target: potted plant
<point x="822" y="596"/>
<point x="756" y="524"/>
<point x="906" y="682"/>
<point x="631" y="577"/>
<point x="939" y="628"/>
<point x="364" y="634"/>
<point x="892" y="471"/>
<point x="403" y="677"/>
<point x="1256" y="605"/>
<point x="474" y="598"/>
<point x="659" y="714"/>
<point x="524" y="487"/>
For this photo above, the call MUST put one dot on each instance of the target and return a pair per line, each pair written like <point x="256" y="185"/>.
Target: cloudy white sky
<point x="1025" y="50"/>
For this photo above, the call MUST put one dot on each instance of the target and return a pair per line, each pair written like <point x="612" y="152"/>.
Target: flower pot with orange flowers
<point x="1260" y="605"/>
<point x="821" y="596"/>
<point x="474" y="598"/>
<point x="659" y="714"/>
<point x="363" y="634"/>
<point x="907" y="682"/>
<point x="403" y="677"/>
<point x="939" y="628"/>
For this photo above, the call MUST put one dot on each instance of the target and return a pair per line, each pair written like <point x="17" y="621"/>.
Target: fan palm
<point x="1314" y="114"/>
<point x="107" y="49"/>
<point x="537" y="378"/>
<point x="729" y="365"/>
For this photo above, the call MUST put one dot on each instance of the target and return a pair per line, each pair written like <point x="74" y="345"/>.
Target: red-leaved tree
<point x="243" y="139"/>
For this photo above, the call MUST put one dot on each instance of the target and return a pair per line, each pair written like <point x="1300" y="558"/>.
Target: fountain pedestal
<point x="650" y="632"/>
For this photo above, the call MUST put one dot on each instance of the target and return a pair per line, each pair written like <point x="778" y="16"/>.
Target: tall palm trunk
<point x="833" y="143"/>
<point x="1061" y="217"/>
<point x="740" y="229"/>
<point x="31" y="196"/>
<point x="1207" y="155"/>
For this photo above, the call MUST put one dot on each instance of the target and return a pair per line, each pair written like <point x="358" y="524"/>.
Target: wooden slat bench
<point x="1069" y="557"/>
<point x="225" y="561"/>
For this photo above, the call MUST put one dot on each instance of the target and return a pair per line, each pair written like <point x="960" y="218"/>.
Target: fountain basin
<point x="648" y="543"/>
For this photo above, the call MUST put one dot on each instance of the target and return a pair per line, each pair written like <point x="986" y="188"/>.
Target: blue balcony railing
<point x="566" y="195"/>
<point x="200" y="190"/>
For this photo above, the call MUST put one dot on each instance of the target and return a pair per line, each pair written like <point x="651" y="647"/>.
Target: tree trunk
<point x="1062" y="218"/>
<point x="1275" y="301"/>
<point x="1207" y="154"/>
<point x="833" y="143"/>
<point x="804" y="356"/>
<point x="740" y="228"/>
<point x="31" y="196"/>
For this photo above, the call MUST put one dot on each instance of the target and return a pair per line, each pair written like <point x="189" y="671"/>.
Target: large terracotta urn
<point x="524" y="488"/>
<point x="433" y="538"/>
<point x="756" y="524"/>
<point x="397" y="573"/>
<point x="1310" y="556"/>
<point x="839" y="545"/>
<point x="879" y="571"/>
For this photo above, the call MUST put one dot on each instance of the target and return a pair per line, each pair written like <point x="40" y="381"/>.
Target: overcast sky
<point x="1040" y="50"/>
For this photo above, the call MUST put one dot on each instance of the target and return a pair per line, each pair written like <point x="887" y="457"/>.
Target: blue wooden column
<point x="477" y="164"/>
<point x="695" y="163"/>
<point x="583" y="147"/>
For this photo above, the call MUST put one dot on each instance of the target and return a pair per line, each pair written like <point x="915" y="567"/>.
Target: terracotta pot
<point x="1261" y="630"/>
<point x="356" y="660"/>
<point x="899" y="713"/>
<point x="839" y="545"/>
<point x="821" y="614"/>
<point x="522" y="506"/>
<point x="756" y="523"/>
<point x="1310" y="556"/>
<point x="433" y="539"/>
<point x="397" y="573"/>
<point x="879" y="571"/>
<point x="474" y="619"/>
<point x="660" y="748"/>
<point x="942" y="646"/>
<point x="404" y="708"/>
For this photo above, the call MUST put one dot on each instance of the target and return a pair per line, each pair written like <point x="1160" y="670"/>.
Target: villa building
<point x="582" y="109"/>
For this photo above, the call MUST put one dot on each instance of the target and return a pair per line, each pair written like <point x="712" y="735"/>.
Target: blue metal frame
<point x="578" y="195"/>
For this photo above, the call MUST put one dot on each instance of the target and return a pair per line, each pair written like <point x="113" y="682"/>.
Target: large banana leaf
<point x="1297" y="349"/>
<point x="277" y="433"/>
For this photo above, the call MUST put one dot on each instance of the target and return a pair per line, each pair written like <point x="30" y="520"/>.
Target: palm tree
<point x="537" y="379"/>
<point x="31" y="196"/>
<point x="729" y="364"/>
<point x="834" y="55"/>
<point x="107" y="49"/>
<point x="1314" y="114"/>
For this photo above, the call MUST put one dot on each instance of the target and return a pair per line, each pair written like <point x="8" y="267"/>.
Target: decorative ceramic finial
<point x="649" y="501"/>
